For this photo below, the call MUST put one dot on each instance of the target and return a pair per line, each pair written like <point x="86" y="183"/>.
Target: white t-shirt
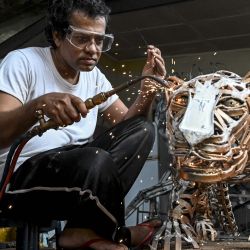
<point x="29" y="73"/>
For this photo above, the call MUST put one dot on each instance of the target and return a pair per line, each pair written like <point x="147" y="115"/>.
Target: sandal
<point x="123" y="234"/>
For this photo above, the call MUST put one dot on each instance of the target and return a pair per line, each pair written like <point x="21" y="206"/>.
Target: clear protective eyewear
<point x="80" y="38"/>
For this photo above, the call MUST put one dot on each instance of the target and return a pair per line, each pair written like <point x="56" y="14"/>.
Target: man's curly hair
<point x="60" y="11"/>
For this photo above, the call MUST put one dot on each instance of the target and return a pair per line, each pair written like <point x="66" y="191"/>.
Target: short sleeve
<point x="14" y="75"/>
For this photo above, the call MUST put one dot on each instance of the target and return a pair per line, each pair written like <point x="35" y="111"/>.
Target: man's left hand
<point x="155" y="65"/>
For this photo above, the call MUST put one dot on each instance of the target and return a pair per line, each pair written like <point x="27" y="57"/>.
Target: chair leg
<point x="33" y="237"/>
<point x="58" y="230"/>
<point x="27" y="237"/>
<point x="22" y="239"/>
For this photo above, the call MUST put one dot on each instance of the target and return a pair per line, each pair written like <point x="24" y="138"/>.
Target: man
<point x="63" y="173"/>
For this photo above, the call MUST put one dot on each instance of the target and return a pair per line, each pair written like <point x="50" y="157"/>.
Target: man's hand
<point x="155" y="65"/>
<point x="64" y="109"/>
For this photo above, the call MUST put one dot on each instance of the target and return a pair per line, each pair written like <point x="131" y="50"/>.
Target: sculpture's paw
<point x="175" y="233"/>
<point x="205" y="230"/>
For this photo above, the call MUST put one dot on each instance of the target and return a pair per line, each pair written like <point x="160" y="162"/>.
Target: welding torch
<point x="90" y="103"/>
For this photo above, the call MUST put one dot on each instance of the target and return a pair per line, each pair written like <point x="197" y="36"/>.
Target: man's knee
<point x="100" y="164"/>
<point x="146" y="129"/>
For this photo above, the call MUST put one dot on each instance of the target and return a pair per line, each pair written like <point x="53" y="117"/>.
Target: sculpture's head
<point x="208" y="127"/>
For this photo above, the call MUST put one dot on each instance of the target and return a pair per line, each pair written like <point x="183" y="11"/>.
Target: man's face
<point x="80" y="49"/>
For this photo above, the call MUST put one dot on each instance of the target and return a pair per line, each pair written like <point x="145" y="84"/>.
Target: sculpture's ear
<point x="248" y="102"/>
<point x="246" y="78"/>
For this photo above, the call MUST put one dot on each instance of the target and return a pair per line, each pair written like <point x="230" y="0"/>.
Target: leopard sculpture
<point x="207" y="125"/>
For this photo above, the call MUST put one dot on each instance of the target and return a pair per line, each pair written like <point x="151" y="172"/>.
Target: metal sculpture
<point x="207" y="125"/>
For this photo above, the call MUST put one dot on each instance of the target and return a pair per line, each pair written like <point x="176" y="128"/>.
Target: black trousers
<point x="86" y="184"/>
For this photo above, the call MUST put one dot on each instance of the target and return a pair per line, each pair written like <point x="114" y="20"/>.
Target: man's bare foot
<point x="76" y="238"/>
<point x="142" y="233"/>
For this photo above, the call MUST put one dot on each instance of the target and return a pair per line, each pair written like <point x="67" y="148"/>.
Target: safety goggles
<point x="80" y="38"/>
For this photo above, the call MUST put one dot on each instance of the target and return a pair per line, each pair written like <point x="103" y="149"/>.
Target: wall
<point x="188" y="66"/>
<point x="185" y="66"/>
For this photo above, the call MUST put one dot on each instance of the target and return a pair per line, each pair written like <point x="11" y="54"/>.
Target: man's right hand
<point x="64" y="109"/>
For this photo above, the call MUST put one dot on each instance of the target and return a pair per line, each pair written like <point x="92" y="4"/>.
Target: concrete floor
<point x="230" y="245"/>
<point x="217" y="245"/>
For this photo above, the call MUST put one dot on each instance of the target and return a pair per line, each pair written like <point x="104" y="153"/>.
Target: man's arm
<point x="16" y="119"/>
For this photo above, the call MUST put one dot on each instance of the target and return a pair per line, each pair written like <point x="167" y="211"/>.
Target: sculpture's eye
<point x="231" y="102"/>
